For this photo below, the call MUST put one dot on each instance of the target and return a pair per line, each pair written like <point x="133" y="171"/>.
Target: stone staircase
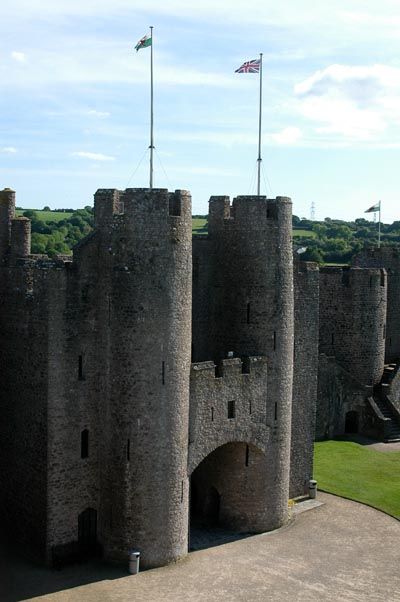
<point x="392" y="426"/>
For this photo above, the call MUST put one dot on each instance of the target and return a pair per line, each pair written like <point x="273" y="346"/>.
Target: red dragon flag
<point x="144" y="42"/>
<point x="250" y="67"/>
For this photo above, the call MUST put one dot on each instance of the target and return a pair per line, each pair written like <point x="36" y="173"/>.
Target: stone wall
<point x="389" y="259"/>
<point x="338" y="393"/>
<point x="352" y="320"/>
<point x="306" y="305"/>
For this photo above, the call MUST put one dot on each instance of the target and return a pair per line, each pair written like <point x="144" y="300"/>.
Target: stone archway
<point x="228" y="489"/>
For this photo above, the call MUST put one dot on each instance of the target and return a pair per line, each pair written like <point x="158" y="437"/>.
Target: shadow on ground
<point x="21" y="579"/>
<point x="202" y="537"/>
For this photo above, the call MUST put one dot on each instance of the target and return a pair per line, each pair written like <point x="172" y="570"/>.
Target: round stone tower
<point x="144" y="477"/>
<point x="253" y="308"/>
<point x="353" y="318"/>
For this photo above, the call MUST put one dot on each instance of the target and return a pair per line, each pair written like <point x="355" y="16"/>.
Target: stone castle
<point x="152" y="381"/>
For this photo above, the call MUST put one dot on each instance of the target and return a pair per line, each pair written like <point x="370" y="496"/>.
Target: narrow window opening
<point x="249" y="407"/>
<point x="85" y="443"/>
<point x="163" y="373"/>
<point x="276" y="411"/>
<point x="181" y="492"/>
<point x="212" y="414"/>
<point x="247" y="456"/>
<point x="274" y="340"/>
<point x="231" y="409"/>
<point x="248" y="313"/>
<point x="80" y="368"/>
<point x="128" y="450"/>
<point x="382" y="278"/>
<point x="195" y="267"/>
<point x="390" y="341"/>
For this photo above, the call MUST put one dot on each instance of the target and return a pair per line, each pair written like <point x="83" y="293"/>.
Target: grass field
<point x="48" y="216"/>
<point x="198" y="225"/>
<point x="304" y="233"/>
<point x="359" y="473"/>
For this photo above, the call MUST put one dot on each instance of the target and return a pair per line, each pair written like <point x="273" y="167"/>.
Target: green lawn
<point x="359" y="473"/>
<point x="303" y="233"/>
<point x="48" y="216"/>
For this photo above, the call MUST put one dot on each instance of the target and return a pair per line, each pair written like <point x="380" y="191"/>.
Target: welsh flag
<point x="374" y="208"/>
<point x="143" y="43"/>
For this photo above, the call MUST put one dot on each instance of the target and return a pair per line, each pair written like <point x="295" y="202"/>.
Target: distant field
<point x="359" y="473"/>
<point x="199" y="225"/>
<point x="48" y="216"/>
<point x="305" y="233"/>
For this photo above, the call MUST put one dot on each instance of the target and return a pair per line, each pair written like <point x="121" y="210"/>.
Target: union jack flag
<point x="250" y="67"/>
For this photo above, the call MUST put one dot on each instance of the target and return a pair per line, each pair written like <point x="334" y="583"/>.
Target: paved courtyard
<point x="340" y="551"/>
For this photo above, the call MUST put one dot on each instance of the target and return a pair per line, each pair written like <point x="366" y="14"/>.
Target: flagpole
<point x="379" y="226"/>
<point x="151" y="110"/>
<point x="259" y="131"/>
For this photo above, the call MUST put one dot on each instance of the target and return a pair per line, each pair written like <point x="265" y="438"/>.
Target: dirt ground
<point x="340" y="551"/>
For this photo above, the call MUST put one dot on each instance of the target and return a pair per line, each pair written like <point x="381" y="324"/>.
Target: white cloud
<point x="9" y="150"/>
<point x="20" y="57"/>
<point x="361" y="103"/>
<point x="99" y="114"/>
<point x="93" y="156"/>
<point x="288" y="136"/>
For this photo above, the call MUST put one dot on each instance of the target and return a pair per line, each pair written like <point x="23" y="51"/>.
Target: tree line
<point x="327" y="241"/>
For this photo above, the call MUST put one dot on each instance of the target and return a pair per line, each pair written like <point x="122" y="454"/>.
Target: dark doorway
<point x="351" y="424"/>
<point x="204" y="506"/>
<point x="87" y="532"/>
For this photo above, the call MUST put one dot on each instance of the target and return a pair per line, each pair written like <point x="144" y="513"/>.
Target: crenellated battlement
<point x="353" y="277"/>
<point x="254" y="367"/>
<point x="139" y="204"/>
<point x="246" y="211"/>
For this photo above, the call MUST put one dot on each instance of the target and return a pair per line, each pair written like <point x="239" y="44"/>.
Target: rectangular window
<point x="231" y="409"/>
<point x="163" y="373"/>
<point x="274" y="340"/>
<point x="85" y="443"/>
<point x="182" y="492"/>
<point x="128" y="450"/>
<point x="80" y="368"/>
<point x="276" y="412"/>
<point x="250" y="407"/>
<point x="212" y="414"/>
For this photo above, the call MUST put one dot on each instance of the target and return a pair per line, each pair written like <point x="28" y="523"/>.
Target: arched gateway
<point x="227" y="489"/>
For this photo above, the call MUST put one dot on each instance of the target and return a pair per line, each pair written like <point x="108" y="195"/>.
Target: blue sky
<point x="74" y="103"/>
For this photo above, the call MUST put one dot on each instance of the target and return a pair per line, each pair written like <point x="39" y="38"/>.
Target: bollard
<point x="312" y="489"/>
<point x="134" y="559"/>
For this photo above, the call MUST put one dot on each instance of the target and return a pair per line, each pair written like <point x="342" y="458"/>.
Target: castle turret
<point x="249" y="271"/>
<point x="20" y="237"/>
<point x="389" y="259"/>
<point x="7" y="213"/>
<point x="145" y="501"/>
<point x="352" y="320"/>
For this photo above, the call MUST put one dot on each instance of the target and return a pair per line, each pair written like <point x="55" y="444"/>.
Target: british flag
<point x="250" y="67"/>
